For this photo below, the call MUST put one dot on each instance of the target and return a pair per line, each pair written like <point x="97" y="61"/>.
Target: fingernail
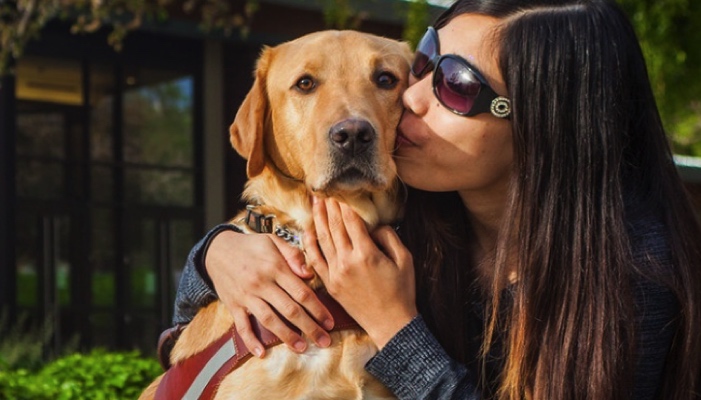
<point x="323" y="341"/>
<point x="315" y="199"/>
<point x="258" y="351"/>
<point x="299" y="345"/>
<point x="328" y="324"/>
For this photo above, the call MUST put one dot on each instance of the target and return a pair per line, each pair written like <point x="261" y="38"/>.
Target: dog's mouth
<point x="351" y="178"/>
<point x="351" y="175"/>
<point x="355" y="177"/>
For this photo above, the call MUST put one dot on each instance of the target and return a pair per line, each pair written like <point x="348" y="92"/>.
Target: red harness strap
<point x="199" y="376"/>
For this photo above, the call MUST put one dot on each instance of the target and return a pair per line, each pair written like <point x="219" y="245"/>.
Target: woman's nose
<point x="417" y="97"/>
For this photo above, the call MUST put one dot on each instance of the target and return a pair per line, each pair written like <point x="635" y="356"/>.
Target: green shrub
<point x="23" y="384"/>
<point x="97" y="375"/>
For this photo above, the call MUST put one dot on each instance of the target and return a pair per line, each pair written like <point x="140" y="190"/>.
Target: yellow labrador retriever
<point x="320" y="118"/>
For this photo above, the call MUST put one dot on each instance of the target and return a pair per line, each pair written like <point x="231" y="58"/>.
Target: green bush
<point x="97" y="375"/>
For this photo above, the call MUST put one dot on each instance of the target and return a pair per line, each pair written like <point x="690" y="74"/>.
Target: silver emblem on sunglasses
<point x="501" y="107"/>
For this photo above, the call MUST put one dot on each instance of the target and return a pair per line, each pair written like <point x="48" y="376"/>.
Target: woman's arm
<point x="195" y="290"/>
<point x="413" y="365"/>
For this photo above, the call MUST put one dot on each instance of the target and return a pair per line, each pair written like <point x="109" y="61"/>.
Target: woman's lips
<point x="403" y="140"/>
<point x="407" y="122"/>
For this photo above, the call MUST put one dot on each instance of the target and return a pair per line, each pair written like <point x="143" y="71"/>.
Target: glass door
<point x="107" y="201"/>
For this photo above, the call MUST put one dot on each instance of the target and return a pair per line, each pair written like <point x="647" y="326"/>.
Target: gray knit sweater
<point x="415" y="366"/>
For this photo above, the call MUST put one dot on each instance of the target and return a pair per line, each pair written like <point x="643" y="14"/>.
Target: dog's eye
<point x="305" y="84"/>
<point x="386" y="80"/>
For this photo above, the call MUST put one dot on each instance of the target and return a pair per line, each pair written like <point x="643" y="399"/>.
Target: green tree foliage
<point x="417" y="19"/>
<point x="22" y="20"/>
<point x="340" y="14"/>
<point x="671" y="41"/>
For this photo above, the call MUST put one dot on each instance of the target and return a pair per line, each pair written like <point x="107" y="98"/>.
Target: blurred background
<point x="114" y="150"/>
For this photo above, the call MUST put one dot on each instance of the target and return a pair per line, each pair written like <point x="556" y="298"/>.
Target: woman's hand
<point x="370" y="275"/>
<point x="257" y="274"/>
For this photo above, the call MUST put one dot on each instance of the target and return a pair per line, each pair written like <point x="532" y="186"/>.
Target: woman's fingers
<point x="390" y="244"/>
<point x="294" y="257"/>
<point x="300" y="306"/>
<point x="243" y="327"/>
<point x="285" y="301"/>
<point x="337" y="225"/>
<point x="267" y="317"/>
<point x="253" y="276"/>
<point x="355" y="227"/>
<point x="312" y="251"/>
<point x="323" y="231"/>
<point x="301" y="292"/>
<point x="315" y="259"/>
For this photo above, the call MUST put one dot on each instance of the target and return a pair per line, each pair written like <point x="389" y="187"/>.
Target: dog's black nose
<point x="352" y="136"/>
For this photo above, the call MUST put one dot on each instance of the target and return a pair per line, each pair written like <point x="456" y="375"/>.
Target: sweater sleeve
<point x="656" y="311"/>
<point x="413" y="365"/>
<point x="656" y="307"/>
<point x="195" y="289"/>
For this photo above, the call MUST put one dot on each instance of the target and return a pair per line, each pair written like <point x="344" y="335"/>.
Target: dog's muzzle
<point x="354" y="157"/>
<point x="352" y="136"/>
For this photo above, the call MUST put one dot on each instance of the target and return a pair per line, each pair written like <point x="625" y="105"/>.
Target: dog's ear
<point x="247" y="130"/>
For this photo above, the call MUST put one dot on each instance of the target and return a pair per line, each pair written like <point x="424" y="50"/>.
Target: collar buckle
<point x="260" y="223"/>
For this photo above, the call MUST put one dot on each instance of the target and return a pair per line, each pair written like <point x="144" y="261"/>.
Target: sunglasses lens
<point x="455" y="85"/>
<point x="425" y="51"/>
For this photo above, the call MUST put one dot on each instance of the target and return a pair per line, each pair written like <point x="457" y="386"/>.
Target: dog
<point x="320" y="119"/>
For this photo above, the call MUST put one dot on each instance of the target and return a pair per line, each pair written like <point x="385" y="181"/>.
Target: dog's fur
<point x="298" y="142"/>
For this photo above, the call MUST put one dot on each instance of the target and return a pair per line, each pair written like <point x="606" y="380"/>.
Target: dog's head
<point x="323" y="110"/>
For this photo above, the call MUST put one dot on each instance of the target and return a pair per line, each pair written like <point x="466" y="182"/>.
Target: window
<point x="107" y="201"/>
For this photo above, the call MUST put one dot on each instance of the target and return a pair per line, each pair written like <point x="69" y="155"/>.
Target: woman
<point x="554" y="252"/>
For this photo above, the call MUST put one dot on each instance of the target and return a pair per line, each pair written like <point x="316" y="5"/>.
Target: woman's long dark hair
<point x="587" y="139"/>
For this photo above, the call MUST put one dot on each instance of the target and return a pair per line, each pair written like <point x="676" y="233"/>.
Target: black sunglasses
<point x="456" y="84"/>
